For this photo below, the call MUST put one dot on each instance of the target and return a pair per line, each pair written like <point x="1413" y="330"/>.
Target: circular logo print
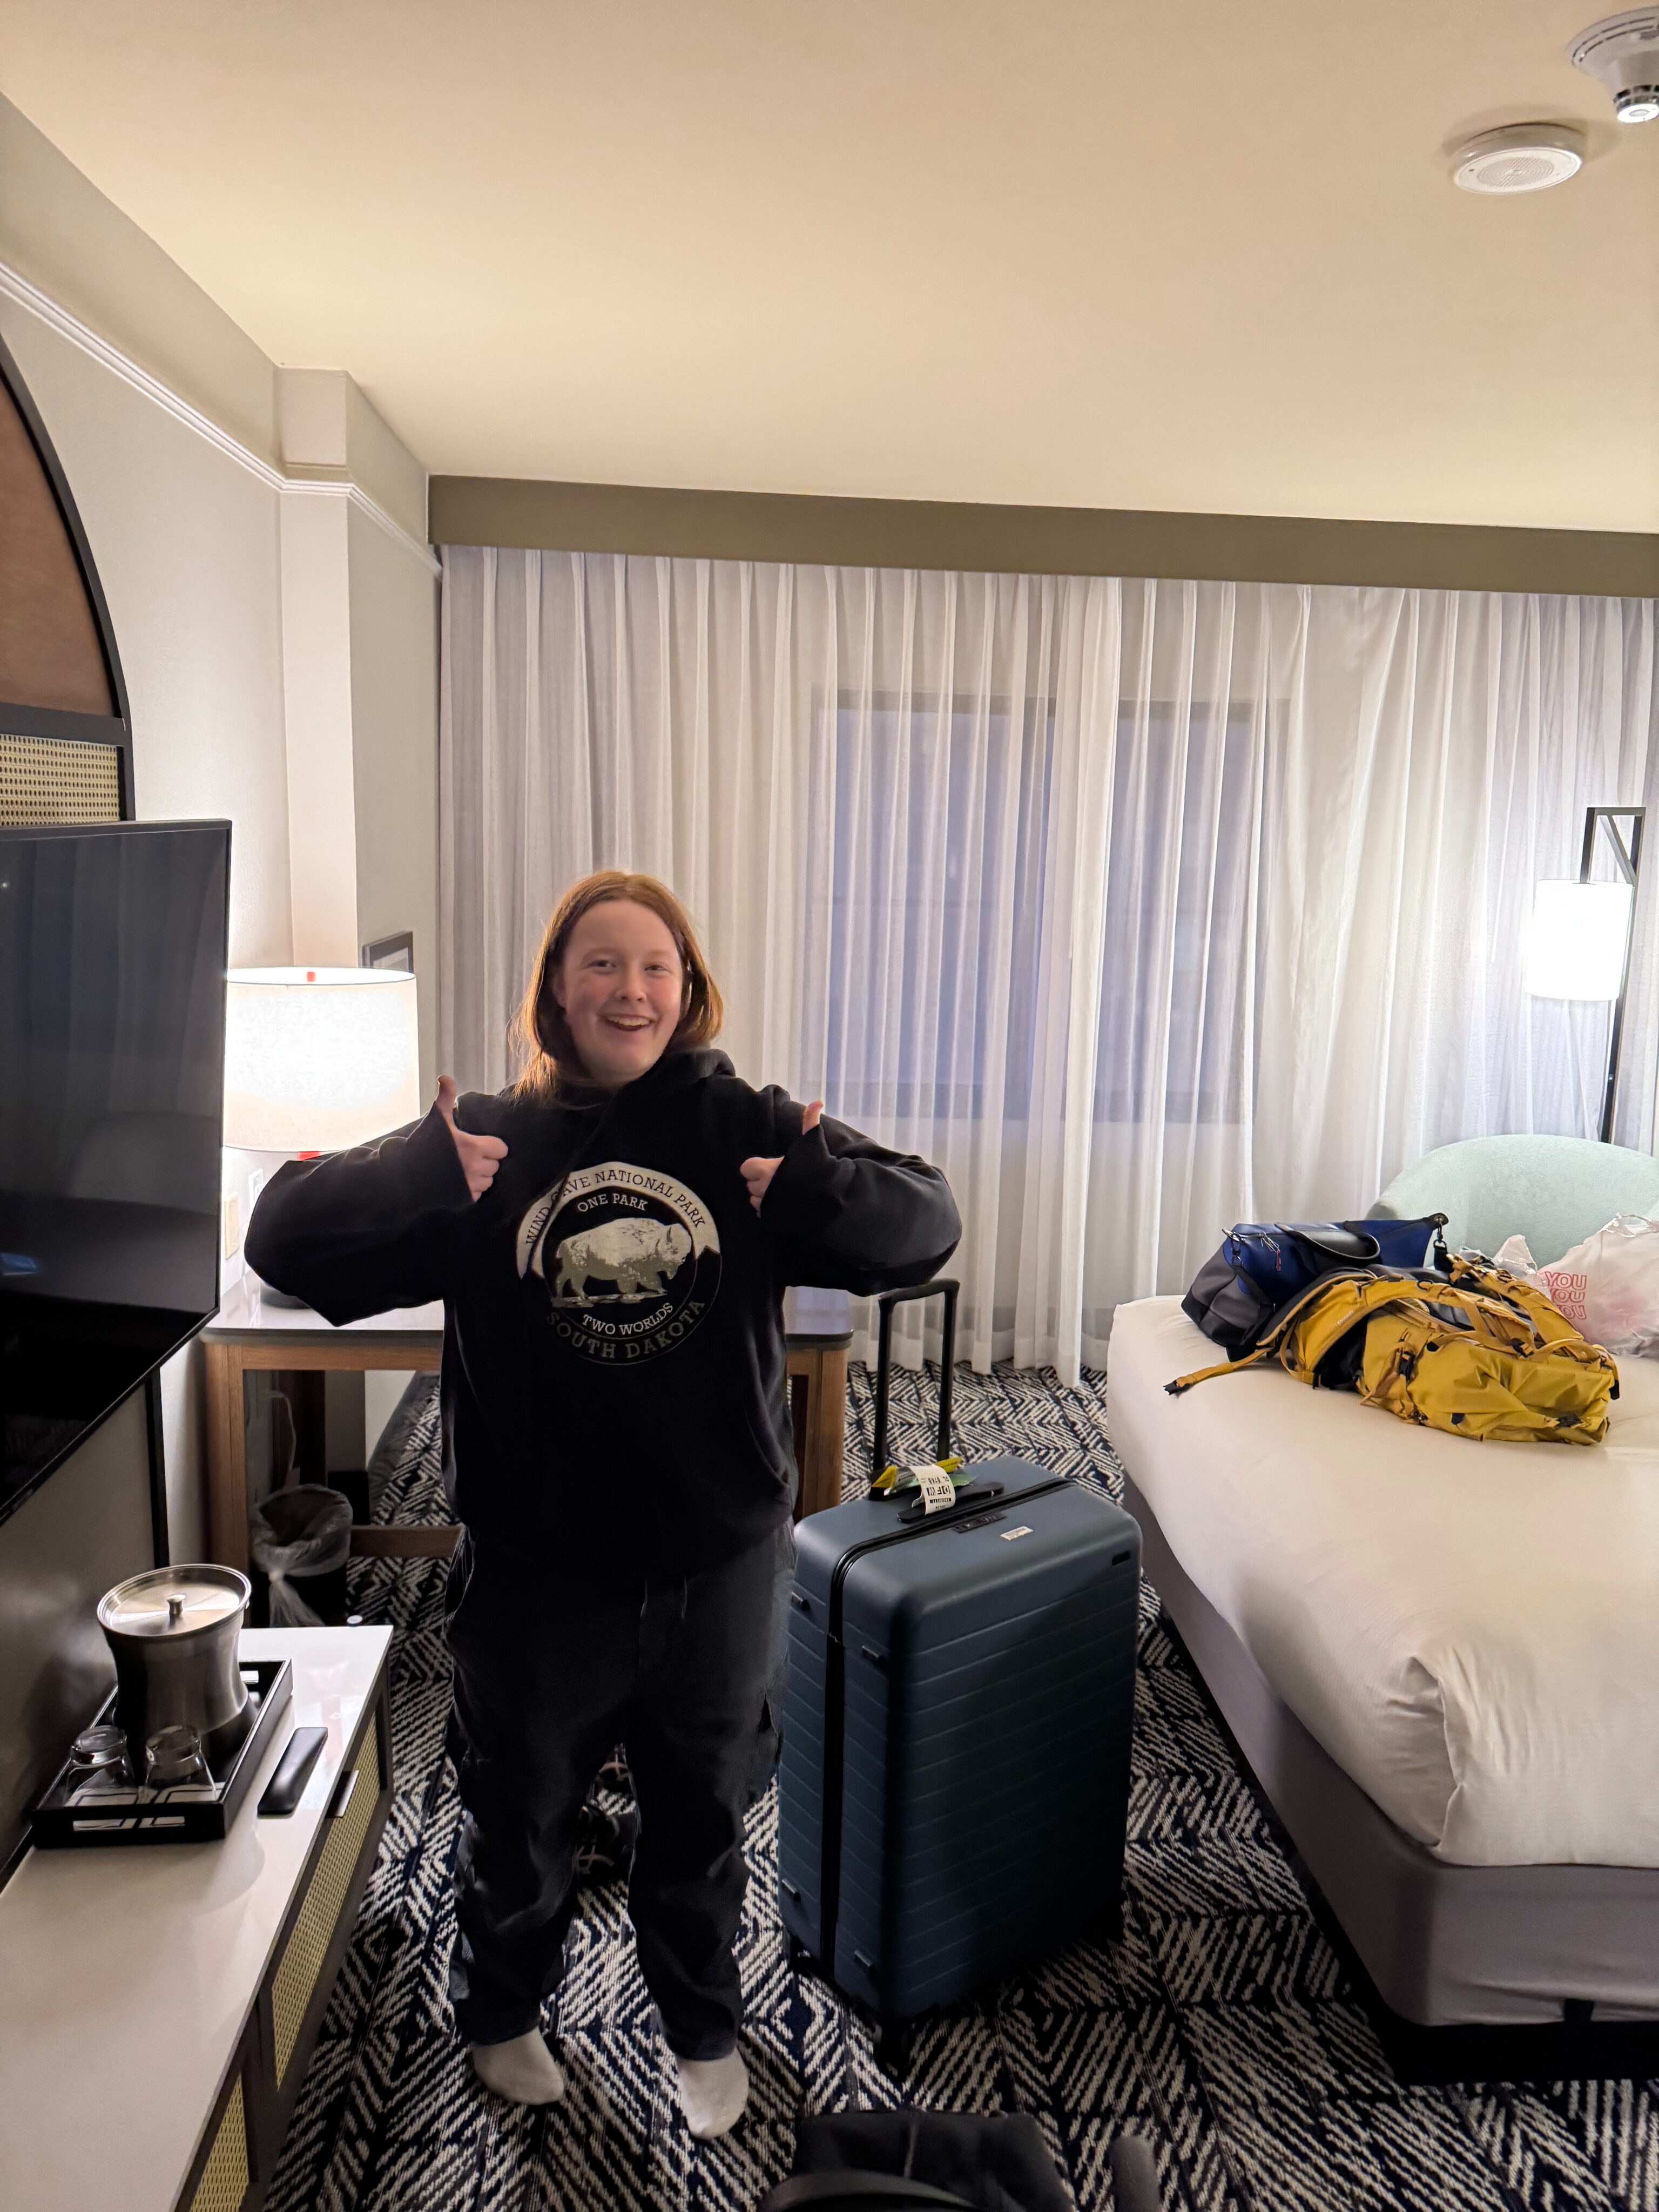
<point x="630" y="1262"/>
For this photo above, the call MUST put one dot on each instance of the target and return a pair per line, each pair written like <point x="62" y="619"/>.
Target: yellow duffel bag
<point x="1480" y="1355"/>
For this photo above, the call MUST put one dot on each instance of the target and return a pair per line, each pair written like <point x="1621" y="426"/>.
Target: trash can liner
<point x="293" y="1534"/>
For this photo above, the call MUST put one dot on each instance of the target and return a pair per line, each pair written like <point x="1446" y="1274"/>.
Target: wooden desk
<point x="161" y="2005"/>
<point x="248" y="1333"/>
<point x="818" y="1400"/>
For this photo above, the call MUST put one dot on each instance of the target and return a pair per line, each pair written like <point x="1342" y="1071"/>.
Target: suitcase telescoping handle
<point x="943" y="1286"/>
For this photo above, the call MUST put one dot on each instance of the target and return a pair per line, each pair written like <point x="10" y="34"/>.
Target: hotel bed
<point x="1440" y="1657"/>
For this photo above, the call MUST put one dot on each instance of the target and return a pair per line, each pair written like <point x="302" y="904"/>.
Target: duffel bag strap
<point x="858" y="2189"/>
<point x="1273" y="1338"/>
<point x="1381" y="1287"/>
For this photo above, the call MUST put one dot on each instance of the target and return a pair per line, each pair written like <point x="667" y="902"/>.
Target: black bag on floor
<point x="872" y="2159"/>
<point x="956" y="1734"/>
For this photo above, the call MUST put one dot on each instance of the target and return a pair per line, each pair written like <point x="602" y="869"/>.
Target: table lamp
<point x="1578" y="944"/>
<point x="318" y="1060"/>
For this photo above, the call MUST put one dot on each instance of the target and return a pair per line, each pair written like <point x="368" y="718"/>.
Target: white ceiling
<point x="1083" y="253"/>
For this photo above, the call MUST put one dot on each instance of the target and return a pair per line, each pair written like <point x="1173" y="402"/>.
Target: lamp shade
<point x="318" y="1058"/>
<point x="1576" y="943"/>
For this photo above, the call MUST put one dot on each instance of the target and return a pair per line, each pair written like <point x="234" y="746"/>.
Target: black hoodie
<point x="613" y="1366"/>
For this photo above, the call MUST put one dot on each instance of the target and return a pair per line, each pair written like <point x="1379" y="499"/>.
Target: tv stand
<point x="160" y="2005"/>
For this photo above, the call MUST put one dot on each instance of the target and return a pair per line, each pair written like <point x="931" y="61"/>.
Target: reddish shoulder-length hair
<point x="539" y="1029"/>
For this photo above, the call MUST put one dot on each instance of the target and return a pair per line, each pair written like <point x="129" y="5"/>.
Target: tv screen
<point x="112" y="942"/>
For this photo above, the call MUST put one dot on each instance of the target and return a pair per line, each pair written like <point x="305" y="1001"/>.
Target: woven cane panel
<point x="58" y="779"/>
<point x="224" y="2177"/>
<point x="319" y="1915"/>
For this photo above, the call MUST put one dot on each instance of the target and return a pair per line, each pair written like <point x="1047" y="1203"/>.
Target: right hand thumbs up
<point x="480" y="1157"/>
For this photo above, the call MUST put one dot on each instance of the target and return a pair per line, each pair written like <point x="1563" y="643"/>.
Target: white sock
<point x="523" y="2070"/>
<point x="713" y="2093"/>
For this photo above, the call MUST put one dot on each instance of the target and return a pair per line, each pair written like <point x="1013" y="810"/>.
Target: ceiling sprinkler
<point x="1622" y="52"/>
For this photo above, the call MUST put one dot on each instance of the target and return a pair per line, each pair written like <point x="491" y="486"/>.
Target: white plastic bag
<point x="1607" y="1287"/>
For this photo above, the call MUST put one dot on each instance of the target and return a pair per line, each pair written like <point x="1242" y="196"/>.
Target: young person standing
<point x="611" y="1237"/>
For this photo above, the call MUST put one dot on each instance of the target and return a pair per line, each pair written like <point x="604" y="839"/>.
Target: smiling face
<point x="622" y="990"/>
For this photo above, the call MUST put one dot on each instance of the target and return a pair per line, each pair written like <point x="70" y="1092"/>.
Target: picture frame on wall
<point x="397" y="951"/>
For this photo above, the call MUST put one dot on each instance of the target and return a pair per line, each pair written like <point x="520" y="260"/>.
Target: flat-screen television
<point x="113" y="942"/>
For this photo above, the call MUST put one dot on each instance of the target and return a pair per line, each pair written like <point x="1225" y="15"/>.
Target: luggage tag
<point x="938" y="1491"/>
<point x="894" y="1479"/>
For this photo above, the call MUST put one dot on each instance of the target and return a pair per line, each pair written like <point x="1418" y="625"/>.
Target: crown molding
<point x="45" y="309"/>
<point x="354" y="495"/>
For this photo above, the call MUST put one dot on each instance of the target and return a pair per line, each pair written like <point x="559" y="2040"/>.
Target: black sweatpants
<point x="550" y="1674"/>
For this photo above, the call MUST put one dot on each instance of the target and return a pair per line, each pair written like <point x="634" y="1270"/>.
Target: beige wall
<point x="59" y="232"/>
<point x="317" y="678"/>
<point x="394" y="749"/>
<point x="361" y="656"/>
<point x="329" y="432"/>
<point x="278" y="628"/>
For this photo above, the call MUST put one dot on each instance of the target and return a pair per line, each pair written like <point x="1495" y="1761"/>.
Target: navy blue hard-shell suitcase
<point x="953" y="1789"/>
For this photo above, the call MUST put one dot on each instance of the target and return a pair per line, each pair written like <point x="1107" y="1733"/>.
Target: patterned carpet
<point x="1219" y="2026"/>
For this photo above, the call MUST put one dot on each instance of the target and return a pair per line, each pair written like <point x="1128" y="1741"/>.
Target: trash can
<point x="300" y="1539"/>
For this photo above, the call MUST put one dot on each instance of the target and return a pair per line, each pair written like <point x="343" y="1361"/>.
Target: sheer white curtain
<point x="1141" y="908"/>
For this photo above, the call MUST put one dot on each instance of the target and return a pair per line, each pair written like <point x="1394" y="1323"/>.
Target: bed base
<point x="1468" y="1973"/>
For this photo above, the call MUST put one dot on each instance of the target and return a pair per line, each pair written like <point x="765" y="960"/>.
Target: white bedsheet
<point x="1471" y="1629"/>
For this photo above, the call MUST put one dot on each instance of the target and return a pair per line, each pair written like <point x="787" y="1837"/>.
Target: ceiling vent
<point x="1522" y="157"/>
<point x="1622" y="53"/>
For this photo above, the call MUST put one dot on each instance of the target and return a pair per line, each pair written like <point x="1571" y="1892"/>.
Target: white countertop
<point x="126" y="1975"/>
<point x="242" y="1308"/>
<point x="805" y="1312"/>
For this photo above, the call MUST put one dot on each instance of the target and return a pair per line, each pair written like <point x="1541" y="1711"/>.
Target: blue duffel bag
<point x="1262" y="1265"/>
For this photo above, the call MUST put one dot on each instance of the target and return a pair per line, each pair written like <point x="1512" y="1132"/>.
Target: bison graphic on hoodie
<point x="613" y="1364"/>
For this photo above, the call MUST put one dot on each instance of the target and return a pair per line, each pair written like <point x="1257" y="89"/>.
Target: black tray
<point x="168" y="1816"/>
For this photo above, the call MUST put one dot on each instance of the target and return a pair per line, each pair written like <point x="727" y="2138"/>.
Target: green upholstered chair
<point x="1554" y="1190"/>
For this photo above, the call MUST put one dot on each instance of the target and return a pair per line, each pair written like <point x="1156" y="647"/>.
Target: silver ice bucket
<point x="175" y="1632"/>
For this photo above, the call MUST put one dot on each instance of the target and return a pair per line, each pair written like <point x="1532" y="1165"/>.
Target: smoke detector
<point x="1521" y="157"/>
<point x="1622" y="53"/>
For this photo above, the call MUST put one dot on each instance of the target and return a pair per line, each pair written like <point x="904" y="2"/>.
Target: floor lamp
<point x="1579" y="945"/>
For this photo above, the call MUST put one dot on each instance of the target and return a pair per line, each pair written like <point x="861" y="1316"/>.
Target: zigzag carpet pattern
<point x="1220" y="2025"/>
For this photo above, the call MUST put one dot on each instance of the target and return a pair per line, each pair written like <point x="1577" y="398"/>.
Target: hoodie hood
<point x="672" y="1072"/>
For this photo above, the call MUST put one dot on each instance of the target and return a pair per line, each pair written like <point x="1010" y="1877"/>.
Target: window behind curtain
<point x="1184" y="804"/>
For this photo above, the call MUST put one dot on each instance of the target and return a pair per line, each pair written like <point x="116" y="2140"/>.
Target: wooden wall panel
<point x="49" y="655"/>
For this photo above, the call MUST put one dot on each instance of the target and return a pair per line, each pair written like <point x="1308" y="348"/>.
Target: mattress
<point x="1470" y="1630"/>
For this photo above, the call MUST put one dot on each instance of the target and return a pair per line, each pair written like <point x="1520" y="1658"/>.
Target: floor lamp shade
<point x="1575" y="944"/>
<point x="318" y="1058"/>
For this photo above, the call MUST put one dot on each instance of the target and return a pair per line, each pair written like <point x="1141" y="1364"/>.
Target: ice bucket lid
<point x="173" y="1600"/>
